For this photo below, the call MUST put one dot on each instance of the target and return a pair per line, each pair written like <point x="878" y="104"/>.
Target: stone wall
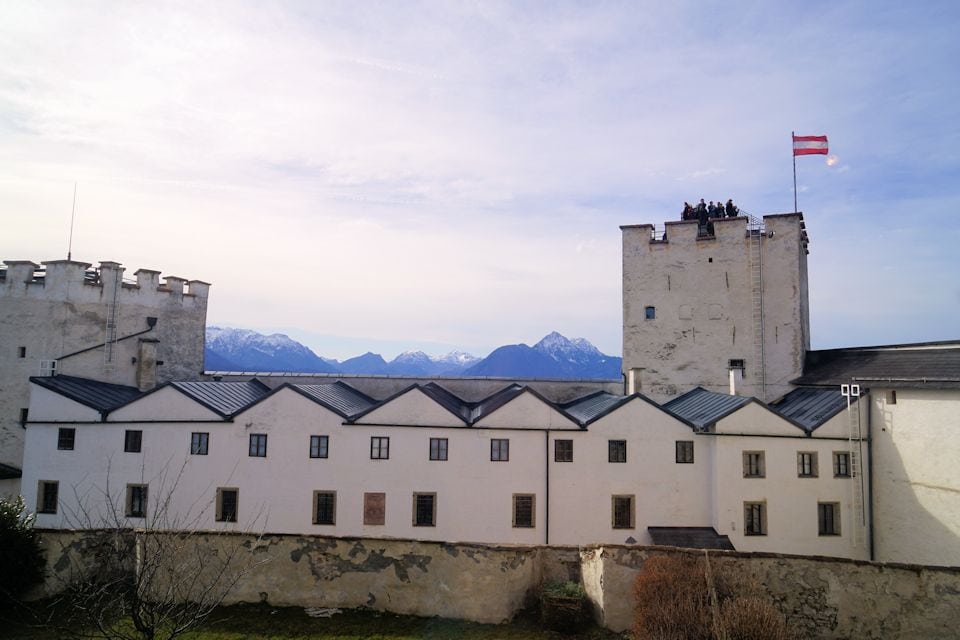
<point x="821" y="597"/>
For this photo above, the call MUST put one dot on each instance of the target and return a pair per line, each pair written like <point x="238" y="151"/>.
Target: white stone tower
<point x="721" y="309"/>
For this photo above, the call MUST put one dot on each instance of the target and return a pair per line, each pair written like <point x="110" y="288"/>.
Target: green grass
<point x="263" y="622"/>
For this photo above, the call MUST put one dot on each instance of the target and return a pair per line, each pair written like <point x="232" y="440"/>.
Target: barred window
<point x="622" y="512"/>
<point x="379" y="448"/>
<point x="424" y="509"/>
<point x="563" y="450"/>
<point x="828" y="518"/>
<point x="324" y="507"/>
<point x="66" y="437"/>
<point x="755" y="518"/>
<point x="753" y="464"/>
<point x="438" y="448"/>
<point x="807" y="464"/>
<point x="319" y="446"/>
<point x="227" y="504"/>
<point x="500" y="449"/>
<point x="199" y="443"/>
<point x="684" y="451"/>
<point x="258" y="445"/>
<point x="523" y="510"/>
<point x="841" y="464"/>
<point x="617" y="450"/>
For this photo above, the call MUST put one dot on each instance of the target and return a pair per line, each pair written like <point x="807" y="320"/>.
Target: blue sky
<point x="392" y="176"/>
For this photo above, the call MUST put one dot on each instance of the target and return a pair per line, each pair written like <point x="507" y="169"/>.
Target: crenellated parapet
<point x="61" y="280"/>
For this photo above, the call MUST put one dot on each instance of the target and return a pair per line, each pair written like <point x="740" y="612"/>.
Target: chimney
<point x="147" y="364"/>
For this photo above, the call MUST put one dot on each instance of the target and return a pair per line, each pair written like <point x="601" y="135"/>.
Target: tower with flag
<point x="805" y="146"/>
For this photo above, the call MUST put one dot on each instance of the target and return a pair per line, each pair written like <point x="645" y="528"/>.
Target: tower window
<point x="650" y="313"/>
<point x="21" y="352"/>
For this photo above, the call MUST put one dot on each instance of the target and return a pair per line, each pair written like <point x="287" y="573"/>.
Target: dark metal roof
<point x="225" y="398"/>
<point x="810" y="408"/>
<point x="702" y="408"/>
<point x="9" y="473"/>
<point x="448" y="400"/>
<point x="102" y="396"/>
<point x="338" y="396"/>
<point x="901" y="366"/>
<point x="690" y="538"/>
<point x="493" y="402"/>
<point x="593" y="406"/>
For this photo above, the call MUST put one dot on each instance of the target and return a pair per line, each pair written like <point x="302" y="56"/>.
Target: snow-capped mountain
<point x="553" y="357"/>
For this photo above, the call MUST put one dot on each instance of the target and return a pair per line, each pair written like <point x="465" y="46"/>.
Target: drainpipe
<point x="870" y="474"/>
<point x="546" y="514"/>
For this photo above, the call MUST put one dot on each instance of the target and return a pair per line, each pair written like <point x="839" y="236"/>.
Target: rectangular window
<point x="324" y="507"/>
<point x="132" y="440"/>
<point x="755" y="518"/>
<point x="424" y="509"/>
<point x="563" y="450"/>
<point x="319" y="446"/>
<point x="379" y="448"/>
<point x="47" y="496"/>
<point x="24" y="414"/>
<point x="21" y="352"/>
<point x="65" y="438"/>
<point x="622" y="512"/>
<point x="753" y="464"/>
<point x="650" y="313"/>
<point x="828" y="518"/>
<point x="199" y="443"/>
<point x="374" y="508"/>
<point x="524" y="508"/>
<point x="807" y="464"/>
<point x="684" y="451"/>
<point x="48" y="368"/>
<point x="892" y="397"/>
<point x="617" y="450"/>
<point x="500" y="449"/>
<point x="227" y="503"/>
<point x="438" y="448"/>
<point x="841" y="464"/>
<point x="136" y="500"/>
<point x="258" y="445"/>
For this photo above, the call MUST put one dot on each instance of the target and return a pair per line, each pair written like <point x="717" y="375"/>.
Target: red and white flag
<point x="809" y="145"/>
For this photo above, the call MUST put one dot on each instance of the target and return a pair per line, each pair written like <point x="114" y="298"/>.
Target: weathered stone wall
<point x="821" y="597"/>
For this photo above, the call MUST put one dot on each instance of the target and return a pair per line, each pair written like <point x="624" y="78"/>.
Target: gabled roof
<point x="225" y="398"/>
<point x="494" y="401"/>
<point x="809" y="407"/>
<point x="338" y="396"/>
<point x="588" y="408"/>
<point x="448" y="400"/>
<point x="102" y="396"/>
<point x="702" y="408"/>
<point x="923" y="366"/>
<point x="690" y="537"/>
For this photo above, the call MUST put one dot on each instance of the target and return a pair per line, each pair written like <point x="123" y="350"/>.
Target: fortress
<point x="728" y="431"/>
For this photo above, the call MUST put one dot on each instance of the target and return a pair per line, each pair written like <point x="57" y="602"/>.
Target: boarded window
<point x="374" y="508"/>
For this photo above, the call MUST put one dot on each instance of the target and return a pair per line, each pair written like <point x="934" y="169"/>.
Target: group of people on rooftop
<point x="703" y="213"/>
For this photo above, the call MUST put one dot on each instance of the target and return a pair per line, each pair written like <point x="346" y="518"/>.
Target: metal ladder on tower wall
<point x="755" y="234"/>
<point x="110" y="330"/>
<point x="859" y="524"/>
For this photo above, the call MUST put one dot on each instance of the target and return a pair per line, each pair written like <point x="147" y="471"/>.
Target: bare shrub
<point x="752" y="618"/>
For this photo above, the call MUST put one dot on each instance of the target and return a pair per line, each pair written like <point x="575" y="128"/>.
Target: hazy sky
<point x="398" y="175"/>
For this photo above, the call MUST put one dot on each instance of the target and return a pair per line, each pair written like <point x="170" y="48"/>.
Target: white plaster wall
<point x="666" y="493"/>
<point x="164" y="404"/>
<point x="412" y="408"/>
<point x="916" y="484"/>
<point x="753" y="419"/>
<point x="46" y="405"/>
<point x="527" y="411"/>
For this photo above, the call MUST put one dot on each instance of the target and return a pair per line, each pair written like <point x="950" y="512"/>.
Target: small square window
<point x="258" y="445"/>
<point x="379" y="448"/>
<point x="424" y="509"/>
<point x="319" y="446"/>
<point x="755" y="518"/>
<point x="622" y="512"/>
<point x="563" y="450"/>
<point x="828" y="518"/>
<point x="500" y="450"/>
<point x="199" y="443"/>
<point x="617" y="450"/>
<point x="438" y="449"/>
<point x="650" y="313"/>
<point x="65" y="438"/>
<point x="227" y="504"/>
<point x="684" y="451"/>
<point x="807" y="464"/>
<point x="136" y="500"/>
<point x="841" y="464"/>
<point x="374" y="508"/>
<point x="325" y="507"/>
<point x="753" y="464"/>
<point x="524" y="510"/>
<point x="132" y="441"/>
<point x="47" y="491"/>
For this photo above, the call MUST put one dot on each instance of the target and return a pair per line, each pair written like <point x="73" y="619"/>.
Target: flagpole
<point x="793" y="152"/>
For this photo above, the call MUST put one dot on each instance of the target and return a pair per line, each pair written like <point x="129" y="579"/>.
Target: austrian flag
<point x="809" y="145"/>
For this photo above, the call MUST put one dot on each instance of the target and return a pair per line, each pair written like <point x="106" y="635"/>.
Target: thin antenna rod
<point x="73" y="213"/>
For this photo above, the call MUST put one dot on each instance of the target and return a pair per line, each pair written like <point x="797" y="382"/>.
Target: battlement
<point x="688" y="233"/>
<point x="70" y="279"/>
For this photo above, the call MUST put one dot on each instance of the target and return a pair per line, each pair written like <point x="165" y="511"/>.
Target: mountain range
<point x="555" y="356"/>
